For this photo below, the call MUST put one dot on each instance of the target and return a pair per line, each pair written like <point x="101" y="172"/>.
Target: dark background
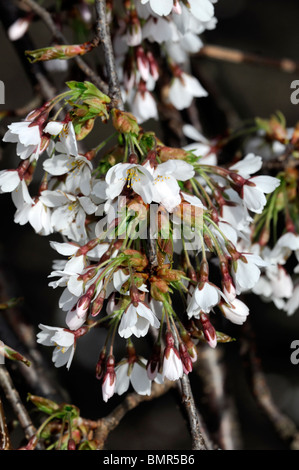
<point x="269" y="28"/>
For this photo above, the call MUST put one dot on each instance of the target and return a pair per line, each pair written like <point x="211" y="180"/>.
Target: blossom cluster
<point x="120" y="271"/>
<point x="154" y="37"/>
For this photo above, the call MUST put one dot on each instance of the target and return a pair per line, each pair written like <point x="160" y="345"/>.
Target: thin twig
<point x="5" y="443"/>
<point x="200" y="440"/>
<point x="239" y="57"/>
<point x="103" y="31"/>
<point x="59" y="36"/>
<point x="14" y="398"/>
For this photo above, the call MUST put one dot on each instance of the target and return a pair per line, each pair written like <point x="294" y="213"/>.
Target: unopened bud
<point x="237" y="179"/>
<point x="71" y="445"/>
<point x="204" y="271"/>
<point x="134" y="294"/>
<point x="136" y="259"/>
<point x="58" y="52"/>
<point x="154" y="362"/>
<point x="100" y="366"/>
<point x="169" y="339"/>
<point x="84" y="302"/>
<point x="124" y="122"/>
<point x="208" y="330"/>
<point x="186" y="359"/>
<point x="108" y="385"/>
<point x="98" y="303"/>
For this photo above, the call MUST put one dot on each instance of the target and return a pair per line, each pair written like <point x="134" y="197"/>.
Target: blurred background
<point x="238" y="92"/>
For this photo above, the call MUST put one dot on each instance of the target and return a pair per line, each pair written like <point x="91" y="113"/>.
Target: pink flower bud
<point x="177" y="8"/>
<point x="154" y="70"/>
<point x="109" y="380"/>
<point x="204" y="272"/>
<point x="134" y="294"/>
<point x="169" y="339"/>
<point x="208" y="330"/>
<point x="71" y="445"/>
<point x="186" y="359"/>
<point x="154" y="362"/>
<point x="98" y="303"/>
<point x="84" y="302"/>
<point x="100" y="364"/>
<point x="142" y="64"/>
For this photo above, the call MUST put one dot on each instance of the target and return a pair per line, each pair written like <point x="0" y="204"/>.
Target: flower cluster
<point x="154" y="37"/>
<point x="157" y="240"/>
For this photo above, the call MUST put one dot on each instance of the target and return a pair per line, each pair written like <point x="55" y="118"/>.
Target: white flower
<point x="293" y="303"/>
<point x="64" y="342"/>
<point x="285" y="245"/>
<point x="133" y="36"/>
<point x="135" y="176"/>
<point x="183" y="89"/>
<point x="69" y="213"/>
<point x="203" y="10"/>
<point x="246" y="271"/>
<point x="69" y="271"/>
<point x="69" y="162"/>
<point x="137" y="320"/>
<point x="157" y="30"/>
<point x="236" y="311"/>
<point x="78" y="170"/>
<point x="248" y="165"/>
<point x="37" y="214"/>
<point x="73" y="320"/>
<point x="135" y="374"/>
<point x="109" y="380"/>
<point x="254" y="190"/>
<point x="201" y="146"/>
<point x="165" y="186"/>
<point x="144" y="106"/>
<point x="9" y="180"/>
<point x="53" y="127"/>
<point x="172" y="364"/>
<point x="26" y="136"/>
<point x="18" y="28"/>
<point x="204" y="298"/>
<point x="162" y="8"/>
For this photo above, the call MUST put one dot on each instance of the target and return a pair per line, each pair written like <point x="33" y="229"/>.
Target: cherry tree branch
<point x="5" y="443"/>
<point x="59" y="36"/>
<point x="14" y="398"/>
<point x="239" y="57"/>
<point x="103" y="32"/>
<point x="200" y="440"/>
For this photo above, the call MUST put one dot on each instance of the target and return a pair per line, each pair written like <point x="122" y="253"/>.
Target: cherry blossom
<point x="136" y="321"/>
<point x="64" y="342"/>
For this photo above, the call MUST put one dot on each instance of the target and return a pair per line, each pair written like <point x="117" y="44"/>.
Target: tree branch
<point x="238" y="57"/>
<point x="200" y="440"/>
<point x="5" y="443"/>
<point x="103" y="32"/>
<point x="59" y="36"/>
<point x="14" y="398"/>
